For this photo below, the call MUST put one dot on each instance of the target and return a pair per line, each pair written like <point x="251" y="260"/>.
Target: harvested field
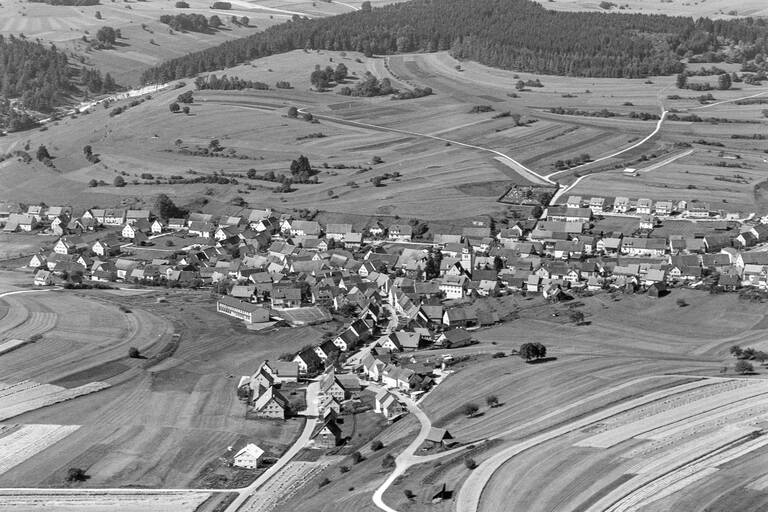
<point x="128" y="502"/>
<point x="25" y="396"/>
<point x="159" y="426"/>
<point x="20" y="442"/>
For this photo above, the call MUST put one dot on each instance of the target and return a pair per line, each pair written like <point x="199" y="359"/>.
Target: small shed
<point x="440" y="436"/>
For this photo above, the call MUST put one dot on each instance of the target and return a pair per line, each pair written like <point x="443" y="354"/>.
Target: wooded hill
<point x="39" y="75"/>
<point x="512" y="34"/>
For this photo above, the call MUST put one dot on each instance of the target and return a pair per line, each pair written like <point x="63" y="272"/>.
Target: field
<point x="159" y="423"/>
<point x="435" y="152"/>
<point x="165" y="502"/>
<point x="711" y="8"/>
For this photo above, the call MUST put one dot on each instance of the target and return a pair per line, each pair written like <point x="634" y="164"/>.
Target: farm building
<point x="245" y="311"/>
<point x="439" y="437"/>
<point x="327" y="434"/>
<point x="270" y="404"/>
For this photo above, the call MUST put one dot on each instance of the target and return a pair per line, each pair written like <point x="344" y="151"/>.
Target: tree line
<point x="512" y="34"/>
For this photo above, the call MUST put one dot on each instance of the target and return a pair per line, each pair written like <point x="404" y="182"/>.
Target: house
<point x="156" y="227"/>
<point x="114" y="217"/>
<point x="643" y="206"/>
<point x="388" y="405"/>
<point x="308" y="361"/>
<point x="454" y="287"/>
<point x="327" y="434"/>
<point x="597" y="205"/>
<point x="647" y="221"/>
<point x="664" y="208"/>
<point x="338" y="232"/>
<point x="286" y="297"/>
<point x="38" y="260"/>
<point x="326" y="404"/>
<point x="566" y="214"/>
<point x="43" y="278"/>
<point x="248" y="457"/>
<point x="133" y="216"/>
<point x="744" y="240"/>
<point x="279" y="372"/>
<point x="37" y="212"/>
<point x="326" y="350"/>
<point x="653" y="247"/>
<point x="698" y="210"/>
<point x="400" y="232"/>
<point x="439" y="437"/>
<point x="200" y="228"/>
<point x="245" y="311"/>
<point x="177" y="224"/>
<point x="225" y="233"/>
<point x="304" y="228"/>
<point x="573" y="202"/>
<point x="454" y="338"/>
<point x="621" y="205"/>
<point x="64" y="246"/>
<point x="270" y="404"/>
<point x="330" y="385"/>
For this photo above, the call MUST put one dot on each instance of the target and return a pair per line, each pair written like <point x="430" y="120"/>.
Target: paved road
<point x="408" y="457"/>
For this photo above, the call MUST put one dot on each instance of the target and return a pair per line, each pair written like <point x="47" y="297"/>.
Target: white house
<point x="248" y="457"/>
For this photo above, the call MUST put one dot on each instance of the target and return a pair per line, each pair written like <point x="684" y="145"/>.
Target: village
<point x="393" y="292"/>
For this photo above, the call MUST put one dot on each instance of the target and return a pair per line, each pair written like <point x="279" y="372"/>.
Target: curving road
<point x="408" y="457"/>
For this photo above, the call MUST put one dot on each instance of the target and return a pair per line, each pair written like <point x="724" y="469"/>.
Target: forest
<point x="511" y="34"/>
<point x="38" y="75"/>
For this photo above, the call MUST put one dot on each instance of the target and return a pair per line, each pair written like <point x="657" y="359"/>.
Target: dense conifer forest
<point x="512" y="34"/>
<point x="38" y="75"/>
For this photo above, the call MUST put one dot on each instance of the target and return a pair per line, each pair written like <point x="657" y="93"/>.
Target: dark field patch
<point x="98" y="373"/>
<point x="484" y="189"/>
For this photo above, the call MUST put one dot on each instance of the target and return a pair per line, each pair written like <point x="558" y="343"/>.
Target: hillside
<point x="517" y="34"/>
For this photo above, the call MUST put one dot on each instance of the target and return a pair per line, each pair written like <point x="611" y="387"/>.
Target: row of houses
<point x="642" y="206"/>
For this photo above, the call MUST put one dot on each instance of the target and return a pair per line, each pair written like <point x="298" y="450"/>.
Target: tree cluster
<point x="321" y="79"/>
<point x="369" y="87"/>
<point x="530" y="351"/>
<point x="95" y="83"/>
<point x="186" y="22"/>
<point x="418" y="92"/>
<point x="226" y="83"/>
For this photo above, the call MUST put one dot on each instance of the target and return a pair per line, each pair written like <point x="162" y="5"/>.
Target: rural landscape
<point x="377" y="255"/>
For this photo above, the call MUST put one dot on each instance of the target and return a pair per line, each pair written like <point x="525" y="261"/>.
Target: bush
<point x="118" y="181"/>
<point x="357" y="457"/>
<point x="93" y="183"/>
<point x="409" y="494"/>
<point x="470" y="409"/>
<point x="76" y="475"/>
<point x="134" y="353"/>
<point x="492" y="400"/>
<point x="377" y="445"/>
<point x="470" y="463"/>
<point x="388" y="461"/>
<point x="743" y="367"/>
<point x="344" y="469"/>
<point x="323" y="482"/>
<point x="499" y="355"/>
<point x="182" y="5"/>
